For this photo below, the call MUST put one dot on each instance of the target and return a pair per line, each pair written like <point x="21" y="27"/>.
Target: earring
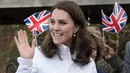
<point x="74" y="35"/>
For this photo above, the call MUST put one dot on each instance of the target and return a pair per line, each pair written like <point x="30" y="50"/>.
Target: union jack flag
<point x="116" y="21"/>
<point x="38" y="22"/>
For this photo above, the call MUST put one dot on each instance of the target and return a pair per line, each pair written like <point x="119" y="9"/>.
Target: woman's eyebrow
<point x="63" y="20"/>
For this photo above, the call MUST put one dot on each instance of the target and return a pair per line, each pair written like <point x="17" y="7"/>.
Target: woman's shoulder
<point x="91" y="64"/>
<point x="91" y="67"/>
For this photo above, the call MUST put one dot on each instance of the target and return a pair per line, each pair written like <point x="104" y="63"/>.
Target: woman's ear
<point x="76" y="29"/>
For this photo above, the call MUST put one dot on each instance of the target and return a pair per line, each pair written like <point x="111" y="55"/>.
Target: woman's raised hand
<point x="108" y="52"/>
<point x="26" y="51"/>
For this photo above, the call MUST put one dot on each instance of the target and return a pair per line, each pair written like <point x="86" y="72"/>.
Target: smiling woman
<point x="62" y="27"/>
<point x="66" y="47"/>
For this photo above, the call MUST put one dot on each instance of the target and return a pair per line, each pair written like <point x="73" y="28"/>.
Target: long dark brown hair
<point x="81" y="44"/>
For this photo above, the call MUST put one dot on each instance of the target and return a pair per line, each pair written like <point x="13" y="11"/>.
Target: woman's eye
<point x="51" y="22"/>
<point x="62" y="22"/>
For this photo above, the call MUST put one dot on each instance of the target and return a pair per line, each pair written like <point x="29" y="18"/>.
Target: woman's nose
<point x="56" y="26"/>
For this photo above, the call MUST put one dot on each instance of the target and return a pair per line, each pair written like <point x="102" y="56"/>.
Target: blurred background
<point x="13" y="12"/>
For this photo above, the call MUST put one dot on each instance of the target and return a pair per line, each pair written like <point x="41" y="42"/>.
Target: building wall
<point x="38" y="3"/>
<point x="99" y="2"/>
<point x="27" y="3"/>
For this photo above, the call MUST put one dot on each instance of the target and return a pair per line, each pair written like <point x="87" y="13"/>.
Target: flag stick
<point x="103" y="30"/>
<point x="103" y="34"/>
<point x="117" y="42"/>
<point x="36" y="41"/>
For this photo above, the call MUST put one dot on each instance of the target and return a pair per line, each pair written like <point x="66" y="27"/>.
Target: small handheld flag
<point x="116" y="21"/>
<point x="38" y="22"/>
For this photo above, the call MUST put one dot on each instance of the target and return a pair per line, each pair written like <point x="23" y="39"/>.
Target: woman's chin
<point x="57" y="42"/>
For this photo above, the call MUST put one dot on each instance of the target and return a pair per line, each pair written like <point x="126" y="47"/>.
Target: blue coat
<point x="127" y="58"/>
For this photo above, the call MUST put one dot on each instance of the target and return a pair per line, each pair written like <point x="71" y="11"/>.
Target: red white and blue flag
<point x="38" y="22"/>
<point x="116" y="21"/>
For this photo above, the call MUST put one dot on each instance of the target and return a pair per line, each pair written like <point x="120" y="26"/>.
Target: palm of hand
<point x="26" y="51"/>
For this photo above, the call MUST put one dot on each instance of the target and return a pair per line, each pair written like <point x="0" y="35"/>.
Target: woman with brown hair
<point x="66" y="47"/>
<point x="104" y="55"/>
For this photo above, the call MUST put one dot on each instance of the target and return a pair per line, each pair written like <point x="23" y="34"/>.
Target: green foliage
<point x="23" y="27"/>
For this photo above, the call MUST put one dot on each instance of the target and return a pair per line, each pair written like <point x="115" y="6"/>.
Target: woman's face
<point x="94" y="54"/>
<point x="94" y="50"/>
<point x="61" y="27"/>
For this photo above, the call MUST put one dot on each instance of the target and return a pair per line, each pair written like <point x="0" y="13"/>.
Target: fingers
<point x="22" y="37"/>
<point x="107" y="57"/>
<point x="16" y="41"/>
<point x="25" y="37"/>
